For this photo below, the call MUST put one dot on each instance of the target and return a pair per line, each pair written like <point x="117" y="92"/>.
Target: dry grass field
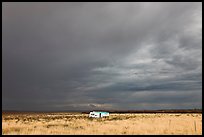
<point x="120" y="124"/>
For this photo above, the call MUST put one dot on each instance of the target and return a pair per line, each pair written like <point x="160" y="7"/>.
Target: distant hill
<point x="154" y="111"/>
<point x="111" y="111"/>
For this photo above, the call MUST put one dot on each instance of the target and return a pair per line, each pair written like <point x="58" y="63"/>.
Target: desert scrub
<point x="119" y="124"/>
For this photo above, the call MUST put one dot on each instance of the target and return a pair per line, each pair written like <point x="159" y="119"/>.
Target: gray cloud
<point x="70" y="56"/>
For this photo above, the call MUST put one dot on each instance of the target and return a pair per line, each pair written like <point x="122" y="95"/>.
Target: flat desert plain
<point x="115" y="124"/>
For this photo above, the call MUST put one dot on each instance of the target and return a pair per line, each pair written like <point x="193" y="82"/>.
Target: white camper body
<point x="98" y="114"/>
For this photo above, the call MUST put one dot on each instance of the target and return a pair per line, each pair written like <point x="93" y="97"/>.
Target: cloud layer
<point x="84" y="56"/>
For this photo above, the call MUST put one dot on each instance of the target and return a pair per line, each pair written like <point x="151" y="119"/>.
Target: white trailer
<point x="98" y="114"/>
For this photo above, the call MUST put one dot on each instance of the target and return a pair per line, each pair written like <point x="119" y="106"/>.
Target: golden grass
<point x="117" y="124"/>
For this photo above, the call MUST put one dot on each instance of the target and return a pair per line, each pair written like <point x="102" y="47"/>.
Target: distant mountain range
<point x="113" y="111"/>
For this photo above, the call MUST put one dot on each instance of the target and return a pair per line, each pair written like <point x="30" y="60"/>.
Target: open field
<point x="77" y="123"/>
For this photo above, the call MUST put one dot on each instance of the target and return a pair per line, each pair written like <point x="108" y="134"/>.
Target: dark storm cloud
<point x="69" y="56"/>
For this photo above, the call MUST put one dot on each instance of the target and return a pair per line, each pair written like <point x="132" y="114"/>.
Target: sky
<point x="87" y="56"/>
